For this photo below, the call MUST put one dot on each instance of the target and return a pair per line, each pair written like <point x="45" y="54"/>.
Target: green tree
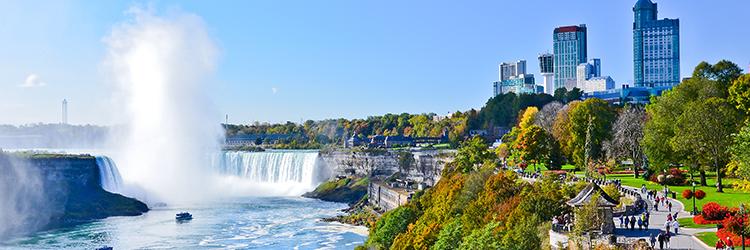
<point x="533" y="145"/>
<point x="600" y="115"/>
<point x="450" y="236"/>
<point x="391" y="224"/>
<point x="488" y="237"/>
<point x="739" y="93"/>
<point x="705" y="130"/>
<point x="472" y="154"/>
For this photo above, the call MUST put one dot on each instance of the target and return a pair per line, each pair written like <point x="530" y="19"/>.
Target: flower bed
<point x="712" y="211"/>
<point x="723" y="234"/>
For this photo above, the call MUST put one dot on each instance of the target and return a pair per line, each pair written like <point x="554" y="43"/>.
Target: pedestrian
<point x="676" y="226"/>
<point x="661" y="241"/>
<point x="632" y="222"/>
<point x="674" y="217"/>
<point x="667" y="225"/>
<point x="729" y="244"/>
<point x="669" y="217"/>
<point x="669" y="204"/>
<point x="653" y="240"/>
<point x="666" y="240"/>
<point x="640" y="223"/>
<point x="622" y="221"/>
<point x="627" y="221"/>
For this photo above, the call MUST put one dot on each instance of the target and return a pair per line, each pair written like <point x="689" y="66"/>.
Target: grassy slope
<point x="709" y="238"/>
<point x="347" y="190"/>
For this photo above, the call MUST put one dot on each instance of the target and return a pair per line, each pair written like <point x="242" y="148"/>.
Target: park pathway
<point x="683" y="240"/>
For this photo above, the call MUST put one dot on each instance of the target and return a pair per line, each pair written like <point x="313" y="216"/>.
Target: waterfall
<point x="293" y="171"/>
<point x="109" y="175"/>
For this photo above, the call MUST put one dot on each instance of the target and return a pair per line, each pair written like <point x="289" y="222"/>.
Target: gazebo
<point x="605" y="205"/>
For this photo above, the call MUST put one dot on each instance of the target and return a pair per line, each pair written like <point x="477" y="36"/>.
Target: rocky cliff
<point x="46" y="191"/>
<point x="424" y="166"/>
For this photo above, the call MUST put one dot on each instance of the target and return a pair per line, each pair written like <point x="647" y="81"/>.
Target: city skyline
<point x="278" y="70"/>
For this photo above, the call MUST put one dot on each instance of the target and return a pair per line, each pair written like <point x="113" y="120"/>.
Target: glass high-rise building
<point x="656" y="47"/>
<point x="569" y="44"/>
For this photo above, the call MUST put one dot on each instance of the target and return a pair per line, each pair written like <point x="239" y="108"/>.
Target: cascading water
<point x="109" y="175"/>
<point x="271" y="173"/>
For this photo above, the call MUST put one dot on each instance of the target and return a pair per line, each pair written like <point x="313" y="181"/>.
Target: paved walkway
<point x="683" y="240"/>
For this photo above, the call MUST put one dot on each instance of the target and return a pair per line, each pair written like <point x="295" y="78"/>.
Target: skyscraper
<point x="569" y="45"/>
<point x="547" y="68"/>
<point x="656" y="47"/>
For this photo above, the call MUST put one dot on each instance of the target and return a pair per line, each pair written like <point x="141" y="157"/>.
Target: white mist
<point x="161" y="65"/>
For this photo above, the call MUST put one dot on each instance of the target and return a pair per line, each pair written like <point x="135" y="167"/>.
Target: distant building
<point x="656" y="47"/>
<point x="513" y="78"/>
<point x="570" y="50"/>
<point x="521" y="84"/>
<point x="64" y="111"/>
<point x="626" y="94"/>
<point x="547" y="68"/>
<point x="398" y="141"/>
<point x="589" y="78"/>
<point x="355" y="141"/>
<point x="513" y="69"/>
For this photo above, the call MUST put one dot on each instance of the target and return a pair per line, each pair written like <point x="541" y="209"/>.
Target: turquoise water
<point x="239" y="223"/>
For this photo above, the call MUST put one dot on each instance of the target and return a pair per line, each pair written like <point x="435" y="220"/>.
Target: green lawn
<point x="709" y="238"/>
<point x="543" y="167"/>
<point x="687" y="222"/>
<point x="730" y="197"/>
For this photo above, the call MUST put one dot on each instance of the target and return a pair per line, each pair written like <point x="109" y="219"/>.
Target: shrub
<point x="714" y="212"/>
<point x="699" y="194"/>
<point x="687" y="194"/>
<point x="698" y="219"/>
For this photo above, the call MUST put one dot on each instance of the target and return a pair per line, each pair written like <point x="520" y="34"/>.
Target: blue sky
<point x="292" y="60"/>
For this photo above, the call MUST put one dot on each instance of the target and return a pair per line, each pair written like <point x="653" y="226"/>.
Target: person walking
<point x="675" y="216"/>
<point x="676" y="226"/>
<point x="640" y="223"/>
<point x="661" y="240"/>
<point x="632" y="222"/>
<point x="669" y="205"/>
<point x="627" y="221"/>
<point x="667" y="226"/>
<point x="652" y="239"/>
<point x="622" y="221"/>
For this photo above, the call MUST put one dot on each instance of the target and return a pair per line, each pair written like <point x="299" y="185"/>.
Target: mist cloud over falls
<point x="23" y="200"/>
<point x="161" y="64"/>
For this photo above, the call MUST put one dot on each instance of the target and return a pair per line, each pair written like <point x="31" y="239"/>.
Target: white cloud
<point x="274" y="90"/>
<point x="32" y="81"/>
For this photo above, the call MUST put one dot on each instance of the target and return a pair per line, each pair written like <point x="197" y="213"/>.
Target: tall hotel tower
<point x="656" y="48"/>
<point x="569" y="44"/>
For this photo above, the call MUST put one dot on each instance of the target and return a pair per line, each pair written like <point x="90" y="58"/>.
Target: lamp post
<point x="694" y="213"/>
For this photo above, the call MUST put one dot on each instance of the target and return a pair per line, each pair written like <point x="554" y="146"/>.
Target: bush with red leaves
<point x="712" y="211"/>
<point x="673" y="177"/>
<point x="698" y="219"/>
<point x="687" y="194"/>
<point x="699" y="194"/>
